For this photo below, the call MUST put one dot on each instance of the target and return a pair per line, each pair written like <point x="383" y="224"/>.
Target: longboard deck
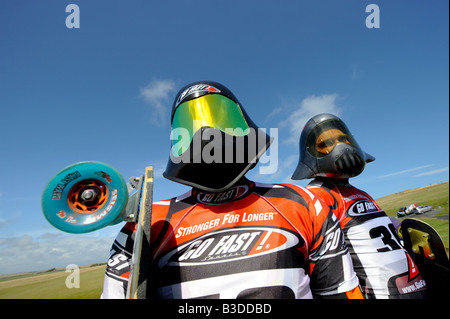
<point x="137" y="286"/>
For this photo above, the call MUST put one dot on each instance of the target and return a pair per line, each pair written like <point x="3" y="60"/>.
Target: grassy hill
<point x="435" y="195"/>
<point x="51" y="284"/>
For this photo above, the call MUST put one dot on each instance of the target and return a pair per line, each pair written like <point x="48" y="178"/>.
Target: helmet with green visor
<point x="214" y="142"/>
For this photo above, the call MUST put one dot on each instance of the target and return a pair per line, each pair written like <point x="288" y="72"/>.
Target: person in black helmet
<point x="229" y="237"/>
<point x="330" y="155"/>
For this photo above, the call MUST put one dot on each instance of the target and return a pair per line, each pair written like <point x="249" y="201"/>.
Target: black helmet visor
<point x="324" y="137"/>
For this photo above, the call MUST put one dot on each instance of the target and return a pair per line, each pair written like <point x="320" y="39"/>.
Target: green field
<point x="435" y="195"/>
<point x="52" y="284"/>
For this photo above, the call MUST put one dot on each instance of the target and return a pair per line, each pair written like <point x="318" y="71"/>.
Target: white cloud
<point x="406" y="171"/>
<point x="355" y="72"/>
<point x="309" y="107"/>
<point x="158" y="96"/>
<point x="436" y="171"/>
<point x="274" y="112"/>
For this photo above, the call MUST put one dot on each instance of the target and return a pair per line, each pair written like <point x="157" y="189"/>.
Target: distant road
<point x="430" y="214"/>
<point x="434" y="212"/>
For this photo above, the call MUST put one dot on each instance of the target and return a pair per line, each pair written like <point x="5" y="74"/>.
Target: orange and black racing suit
<point x="250" y="241"/>
<point x="384" y="268"/>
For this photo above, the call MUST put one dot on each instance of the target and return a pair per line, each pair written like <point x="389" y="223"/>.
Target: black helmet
<point x="327" y="148"/>
<point x="214" y="142"/>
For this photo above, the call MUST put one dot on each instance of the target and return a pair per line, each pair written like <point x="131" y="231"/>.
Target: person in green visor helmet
<point x="228" y="236"/>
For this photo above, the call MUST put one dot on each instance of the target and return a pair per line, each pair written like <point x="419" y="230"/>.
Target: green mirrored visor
<point x="212" y="110"/>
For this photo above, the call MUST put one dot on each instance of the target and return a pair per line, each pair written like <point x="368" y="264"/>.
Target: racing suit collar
<point x="239" y="190"/>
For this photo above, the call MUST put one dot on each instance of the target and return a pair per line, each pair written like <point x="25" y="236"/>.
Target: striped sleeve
<point x="119" y="264"/>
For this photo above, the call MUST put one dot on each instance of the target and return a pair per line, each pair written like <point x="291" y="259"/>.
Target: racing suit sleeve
<point x="330" y="264"/>
<point x="118" y="265"/>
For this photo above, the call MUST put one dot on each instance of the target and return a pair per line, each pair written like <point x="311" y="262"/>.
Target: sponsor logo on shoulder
<point x="362" y="207"/>
<point x="230" y="244"/>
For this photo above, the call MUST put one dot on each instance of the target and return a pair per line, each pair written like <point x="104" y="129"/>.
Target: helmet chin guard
<point x="328" y="149"/>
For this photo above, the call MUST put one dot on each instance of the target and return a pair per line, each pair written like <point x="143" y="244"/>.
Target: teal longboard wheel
<point x="84" y="197"/>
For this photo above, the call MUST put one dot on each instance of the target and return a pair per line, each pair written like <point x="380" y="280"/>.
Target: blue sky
<point x="104" y="91"/>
